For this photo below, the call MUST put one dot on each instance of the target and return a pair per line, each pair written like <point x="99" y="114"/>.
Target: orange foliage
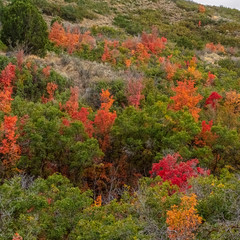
<point x="215" y="48"/>
<point x="106" y="100"/>
<point x="9" y="148"/>
<point x="72" y="108"/>
<point x="72" y="105"/>
<point x="195" y="74"/>
<point x="104" y="120"/>
<point x="186" y="95"/>
<point x="63" y="38"/>
<point x="201" y="9"/>
<point x="51" y="88"/>
<point x="128" y="63"/>
<point x="211" y="78"/>
<point x="16" y="236"/>
<point x="170" y="69"/>
<point x="98" y="201"/>
<point x="46" y="71"/>
<point x="152" y="42"/>
<point x="183" y="220"/>
<point x="110" y="51"/>
<point x="70" y="39"/>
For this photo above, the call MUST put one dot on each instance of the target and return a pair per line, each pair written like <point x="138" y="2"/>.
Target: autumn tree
<point x="71" y="39"/>
<point x="6" y="79"/>
<point x="183" y="220"/>
<point x="51" y="88"/>
<point x="63" y="38"/>
<point x="72" y="108"/>
<point x="187" y="96"/>
<point x="206" y="136"/>
<point x="134" y="91"/>
<point x="213" y="99"/>
<point x="9" y="149"/>
<point x="178" y="173"/>
<point x="201" y="9"/>
<point x="104" y="120"/>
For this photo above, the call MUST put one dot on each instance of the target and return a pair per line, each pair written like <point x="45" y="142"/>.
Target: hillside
<point x="119" y="120"/>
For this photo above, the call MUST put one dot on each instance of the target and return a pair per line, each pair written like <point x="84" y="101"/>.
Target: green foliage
<point x="23" y="24"/>
<point x="218" y="204"/>
<point x="53" y="146"/>
<point x="54" y="209"/>
<point x="43" y="208"/>
<point x="153" y="132"/>
<point x="31" y="85"/>
<point x="107" y="31"/>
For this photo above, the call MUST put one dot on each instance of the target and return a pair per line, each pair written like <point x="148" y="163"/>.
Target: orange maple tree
<point x="183" y="220"/>
<point x="9" y="148"/>
<point x="201" y="9"/>
<point x="71" y="39"/>
<point x="187" y="96"/>
<point x="51" y="88"/>
<point x="104" y="120"/>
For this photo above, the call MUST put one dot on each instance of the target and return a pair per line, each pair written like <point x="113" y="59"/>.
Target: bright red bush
<point x="213" y="99"/>
<point x="178" y="173"/>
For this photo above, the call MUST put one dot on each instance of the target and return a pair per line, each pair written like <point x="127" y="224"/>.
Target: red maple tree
<point x="213" y="99"/>
<point x="178" y="173"/>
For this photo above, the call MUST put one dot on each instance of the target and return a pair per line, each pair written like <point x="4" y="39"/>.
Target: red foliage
<point x="186" y="95"/>
<point x="206" y="137"/>
<point x="213" y="99"/>
<point x="6" y="78"/>
<point x="19" y="56"/>
<point x="110" y="51"/>
<point x="9" y="148"/>
<point x="72" y="105"/>
<point x="7" y="75"/>
<point x="72" y="108"/>
<point x="177" y="173"/>
<point x="211" y="78"/>
<point x="134" y="92"/>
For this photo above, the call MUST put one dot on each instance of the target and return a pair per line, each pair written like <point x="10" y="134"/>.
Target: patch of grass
<point x="107" y="31"/>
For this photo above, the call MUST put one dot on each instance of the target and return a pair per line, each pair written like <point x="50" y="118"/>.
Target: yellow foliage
<point x="183" y="220"/>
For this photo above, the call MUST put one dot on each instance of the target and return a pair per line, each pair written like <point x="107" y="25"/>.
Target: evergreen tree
<point x="23" y="24"/>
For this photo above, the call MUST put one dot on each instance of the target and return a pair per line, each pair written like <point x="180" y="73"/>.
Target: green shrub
<point x="23" y="24"/>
